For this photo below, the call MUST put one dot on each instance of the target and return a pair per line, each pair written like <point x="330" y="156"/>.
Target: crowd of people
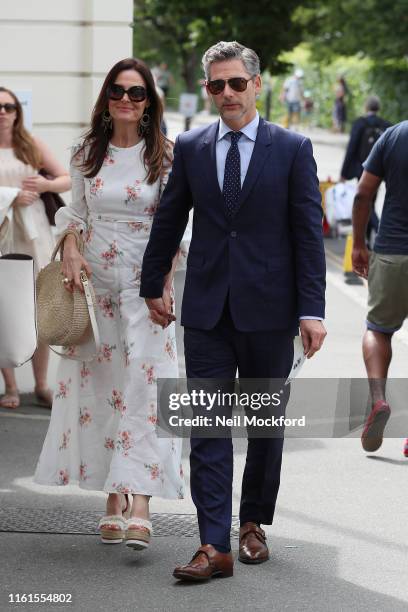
<point x="255" y="276"/>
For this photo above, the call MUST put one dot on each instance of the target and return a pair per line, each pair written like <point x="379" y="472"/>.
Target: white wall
<point x="61" y="50"/>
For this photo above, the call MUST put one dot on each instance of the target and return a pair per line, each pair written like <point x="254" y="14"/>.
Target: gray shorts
<point x="387" y="292"/>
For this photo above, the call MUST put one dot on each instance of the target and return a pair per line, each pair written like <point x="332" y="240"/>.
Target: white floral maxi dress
<point x="102" y="430"/>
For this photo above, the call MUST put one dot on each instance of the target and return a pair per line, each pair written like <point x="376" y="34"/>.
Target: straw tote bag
<point x="18" y="330"/>
<point x="65" y="319"/>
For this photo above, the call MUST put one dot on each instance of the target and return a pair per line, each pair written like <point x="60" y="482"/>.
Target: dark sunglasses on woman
<point x="8" y="107"/>
<point x="137" y="93"/>
<point x="236" y="83"/>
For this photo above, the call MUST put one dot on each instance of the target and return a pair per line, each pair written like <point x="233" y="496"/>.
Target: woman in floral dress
<point x="102" y="431"/>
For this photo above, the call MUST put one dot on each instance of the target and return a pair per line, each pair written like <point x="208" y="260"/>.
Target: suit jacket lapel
<point x="258" y="158"/>
<point x="208" y="160"/>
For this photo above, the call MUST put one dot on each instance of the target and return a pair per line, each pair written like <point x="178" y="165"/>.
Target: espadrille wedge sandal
<point x="138" y="533"/>
<point x="112" y="528"/>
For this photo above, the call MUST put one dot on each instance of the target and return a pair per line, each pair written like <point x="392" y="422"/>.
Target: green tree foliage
<point x="375" y="29"/>
<point x="180" y="30"/>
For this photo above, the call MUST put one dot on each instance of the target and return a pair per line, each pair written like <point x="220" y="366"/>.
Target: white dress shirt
<point x="245" y="145"/>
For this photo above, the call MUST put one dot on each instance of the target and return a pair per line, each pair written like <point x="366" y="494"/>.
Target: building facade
<point x="61" y="50"/>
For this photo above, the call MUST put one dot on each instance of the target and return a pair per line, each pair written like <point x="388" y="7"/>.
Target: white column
<point x="61" y="51"/>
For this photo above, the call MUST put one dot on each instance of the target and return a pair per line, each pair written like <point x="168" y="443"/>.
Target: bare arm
<point x="39" y="184"/>
<point x="363" y="202"/>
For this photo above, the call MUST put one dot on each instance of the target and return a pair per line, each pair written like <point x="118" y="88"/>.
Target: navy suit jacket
<point x="269" y="257"/>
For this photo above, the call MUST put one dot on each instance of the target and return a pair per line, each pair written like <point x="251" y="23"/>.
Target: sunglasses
<point x="8" y="107"/>
<point x="137" y="93"/>
<point x="236" y="83"/>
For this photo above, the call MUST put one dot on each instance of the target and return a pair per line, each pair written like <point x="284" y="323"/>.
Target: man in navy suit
<point x="255" y="273"/>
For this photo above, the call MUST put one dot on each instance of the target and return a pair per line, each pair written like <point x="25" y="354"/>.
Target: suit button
<point x="233" y="234"/>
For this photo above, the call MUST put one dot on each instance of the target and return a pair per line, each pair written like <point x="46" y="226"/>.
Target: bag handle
<point x="59" y="247"/>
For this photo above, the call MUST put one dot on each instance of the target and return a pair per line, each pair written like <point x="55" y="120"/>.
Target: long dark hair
<point x="24" y="146"/>
<point x="96" y="140"/>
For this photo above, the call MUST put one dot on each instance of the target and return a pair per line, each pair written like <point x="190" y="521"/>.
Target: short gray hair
<point x="229" y="51"/>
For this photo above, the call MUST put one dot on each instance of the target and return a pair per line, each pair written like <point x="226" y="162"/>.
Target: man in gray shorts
<point x="386" y="268"/>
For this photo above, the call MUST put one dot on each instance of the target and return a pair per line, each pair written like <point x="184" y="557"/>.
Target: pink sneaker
<point x="372" y="436"/>
<point x="405" y="449"/>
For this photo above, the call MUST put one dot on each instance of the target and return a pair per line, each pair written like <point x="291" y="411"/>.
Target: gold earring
<point x="106" y="120"/>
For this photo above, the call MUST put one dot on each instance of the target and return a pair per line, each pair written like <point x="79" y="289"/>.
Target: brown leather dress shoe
<point x="206" y="563"/>
<point x="252" y="544"/>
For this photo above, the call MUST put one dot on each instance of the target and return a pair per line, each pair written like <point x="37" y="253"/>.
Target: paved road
<point x="339" y="541"/>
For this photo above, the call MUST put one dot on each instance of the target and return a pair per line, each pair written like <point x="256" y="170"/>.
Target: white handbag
<point x="18" y="328"/>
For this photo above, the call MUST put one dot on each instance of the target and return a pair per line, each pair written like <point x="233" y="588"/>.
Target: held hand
<point x="25" y="198"/>
<point x="37" y="184"/>
<point x="360" y="259"/>
<point x="72" y="264"/>
<point x="168" y="299"/>
<point x="160" y="310"/>
<point x="313" y="334"/>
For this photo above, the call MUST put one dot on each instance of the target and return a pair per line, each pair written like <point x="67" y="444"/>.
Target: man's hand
<point x="160" y="310"/>
<point x="37" y="184"/>
<point x="313" y="334"/>
<point x="360" y="259"/>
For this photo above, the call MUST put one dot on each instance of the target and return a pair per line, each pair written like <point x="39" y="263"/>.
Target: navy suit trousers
<point x="218" y="354"/>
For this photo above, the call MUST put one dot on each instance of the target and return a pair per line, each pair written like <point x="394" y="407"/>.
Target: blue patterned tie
<point x="232" y="175"/>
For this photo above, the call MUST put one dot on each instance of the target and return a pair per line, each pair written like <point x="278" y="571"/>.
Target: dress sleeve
<point x="75" y="215"/>
<point x="185" y="241"/>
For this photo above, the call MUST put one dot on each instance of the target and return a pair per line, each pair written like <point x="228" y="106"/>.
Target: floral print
<point x="85" y="374"/>
<point x="109" y="159"/>
<point x="82" y="471"/>
<point x="154" y="469"/>
<point x="85" y="417"/>
<point x="96" y="187"/>
<point x="111" y="255"/>
<point x="149" y="372"/>
<point x="89" y="233"/>
<point x="116" y="401"/>
<point x="65" y="440"/>
<point x="102" y="432"/>
<point x="133" y="192"/>
<point x="63" y="477"/>
<point x="105" y="353"/>
<point x="109" y="444"/>
<point x="139" y="226"/>
<point x="170" y="348"/>
<point x="138" y="274"/>
<point x="107" y="305"/>
<point x="152" y="417"/>
<point x="121" y="488"/>
<point x="71" y="351"/>
<point x="63" y="389"/>
<point x="127" y="346"/>
<point x="124" y="442"/>
<point x="150" y="210"/>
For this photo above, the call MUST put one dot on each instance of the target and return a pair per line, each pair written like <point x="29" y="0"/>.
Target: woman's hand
<point x="25" y="198"/>
<point x="161" y="309"/>
<point x="37" y="184"/>
<point x="168" y="299"/>
<point x="72" y="264"/>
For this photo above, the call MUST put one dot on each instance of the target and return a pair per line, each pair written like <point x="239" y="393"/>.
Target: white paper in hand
<point x="299" y="358"/>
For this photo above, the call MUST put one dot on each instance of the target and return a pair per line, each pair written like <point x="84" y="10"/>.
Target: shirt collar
<point x="250" y="129"/>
